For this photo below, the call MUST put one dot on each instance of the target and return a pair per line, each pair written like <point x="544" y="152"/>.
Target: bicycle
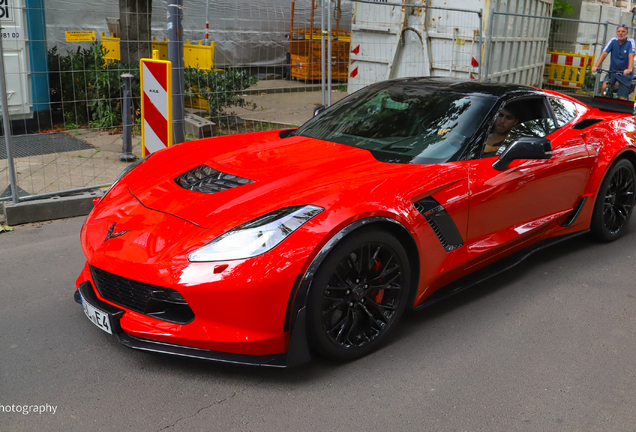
<point x="611" y="91"/>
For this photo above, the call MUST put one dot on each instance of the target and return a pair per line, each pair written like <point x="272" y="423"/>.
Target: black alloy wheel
<point x="615" y="202"/>
<point x="358" y="295"/>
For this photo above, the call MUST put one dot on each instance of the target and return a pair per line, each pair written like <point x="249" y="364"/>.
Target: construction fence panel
<point x="257" y="67"/>
<point x="64" y="60"/>
<point x="411" y="39"/>
<point x="573" y="48"/>
<point x="550" y="52"/>
<point x="517" y="46"/>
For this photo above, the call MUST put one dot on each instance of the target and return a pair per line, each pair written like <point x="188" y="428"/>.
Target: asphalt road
<point x="547" y="346"/>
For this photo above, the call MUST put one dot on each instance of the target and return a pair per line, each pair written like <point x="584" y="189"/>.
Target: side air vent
<point x="575" y="213"/>
<point x="208" y="180"/>
<point x="440" y="221"/>
<point x="586" y="123"/>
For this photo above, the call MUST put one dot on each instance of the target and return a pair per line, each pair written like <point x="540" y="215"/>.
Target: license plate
<point x="100" y="318"/>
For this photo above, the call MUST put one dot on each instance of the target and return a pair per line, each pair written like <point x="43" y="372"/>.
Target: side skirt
<point x="491" y="270"/>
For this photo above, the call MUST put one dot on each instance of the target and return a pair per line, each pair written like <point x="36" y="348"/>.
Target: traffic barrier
<point x="194" y="55"/>
<point x="111" y="47"/>
<point x="156" y="104"/>
<point x="566" y="69"/>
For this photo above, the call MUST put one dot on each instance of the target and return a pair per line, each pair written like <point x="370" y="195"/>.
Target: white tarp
<point x="245" y="32"/>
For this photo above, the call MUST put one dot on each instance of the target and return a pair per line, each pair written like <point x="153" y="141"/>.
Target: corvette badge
<point x="112" y="234"/>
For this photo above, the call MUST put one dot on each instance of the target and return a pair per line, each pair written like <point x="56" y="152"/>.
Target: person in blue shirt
<point x="621" y="49"/>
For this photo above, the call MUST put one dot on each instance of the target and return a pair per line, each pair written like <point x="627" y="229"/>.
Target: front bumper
<point x="297" y="353"/>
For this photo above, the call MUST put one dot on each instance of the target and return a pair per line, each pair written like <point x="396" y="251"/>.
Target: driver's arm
<point x="599" y="62"/>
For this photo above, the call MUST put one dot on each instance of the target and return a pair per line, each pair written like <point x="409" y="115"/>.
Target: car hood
<point x="284" y="172"/>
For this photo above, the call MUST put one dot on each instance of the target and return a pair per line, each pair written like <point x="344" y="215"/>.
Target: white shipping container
<point x="519" y="43"/>
<point x="16" y="61"/>
<point x="391" y="41"/>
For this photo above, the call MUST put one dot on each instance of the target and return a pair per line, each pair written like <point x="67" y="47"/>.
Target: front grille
<point x="159" y="302"/>
<point x="206" y="179"/>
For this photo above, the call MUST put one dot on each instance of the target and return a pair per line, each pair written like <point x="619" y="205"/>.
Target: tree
<point x="562" y="7"/>
<point x="135" y="18"/>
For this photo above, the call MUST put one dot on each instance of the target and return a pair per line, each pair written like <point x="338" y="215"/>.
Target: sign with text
<point x="80" y="35"/>
<point x="6" y="10"/>
<point x="156" y="105"/>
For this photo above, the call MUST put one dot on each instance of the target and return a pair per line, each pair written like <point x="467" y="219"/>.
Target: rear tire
<point x="615" y="202"/>
<point x="358" y="295"/>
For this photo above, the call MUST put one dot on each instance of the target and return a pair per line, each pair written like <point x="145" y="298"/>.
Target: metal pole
<point x="207" y="22"/>
<point x="329" y="42"/>
<point x="491" y="25"/>
<point x="126" y="146"/>
<point x="597" y="79"/>
<point x="310" y="44"/>
<point x="605" y="34"/>
<point x="7" y="127"/>
<point x="175" y="55"/>
<point x="322" y="49"/>
<point x="481" y="42"/>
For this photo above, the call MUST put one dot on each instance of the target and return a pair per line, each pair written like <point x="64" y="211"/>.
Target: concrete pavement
<point x="549" y="346"/>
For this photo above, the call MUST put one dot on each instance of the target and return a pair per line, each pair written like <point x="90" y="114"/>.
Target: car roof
<point x="487" y="89"/>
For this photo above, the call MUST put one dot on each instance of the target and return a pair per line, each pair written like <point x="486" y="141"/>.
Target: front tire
<point x="358" y="295"/>
<point x="615" y="202"/>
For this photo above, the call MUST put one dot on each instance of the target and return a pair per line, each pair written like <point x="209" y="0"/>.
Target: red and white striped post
<point x="156" y="104"/>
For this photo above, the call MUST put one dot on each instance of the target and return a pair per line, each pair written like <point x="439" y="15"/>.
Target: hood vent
<point x="208" y="180"/>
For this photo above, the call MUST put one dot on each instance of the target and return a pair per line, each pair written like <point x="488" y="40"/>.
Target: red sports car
<point x="262" y="248"/>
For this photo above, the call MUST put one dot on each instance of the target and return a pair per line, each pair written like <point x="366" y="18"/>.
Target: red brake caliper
<point x="377" y="295"/>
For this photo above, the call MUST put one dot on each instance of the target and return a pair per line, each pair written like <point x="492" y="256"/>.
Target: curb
<point x="271" y="90"/>
<point x="58" y="207"/>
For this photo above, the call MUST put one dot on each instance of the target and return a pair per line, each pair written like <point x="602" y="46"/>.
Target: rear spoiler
<point x="607" y="104"/>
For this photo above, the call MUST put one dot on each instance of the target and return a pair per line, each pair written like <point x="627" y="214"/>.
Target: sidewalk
<point x="97" y="164"/>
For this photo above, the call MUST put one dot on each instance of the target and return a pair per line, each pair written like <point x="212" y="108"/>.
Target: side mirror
<point x="524" y="148"/>
<point x="319" y="109"/>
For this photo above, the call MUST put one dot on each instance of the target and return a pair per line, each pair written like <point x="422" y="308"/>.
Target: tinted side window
<point x="564" y="110"/>
<point x="535" y="119"/>
<point x="527" y="116"/>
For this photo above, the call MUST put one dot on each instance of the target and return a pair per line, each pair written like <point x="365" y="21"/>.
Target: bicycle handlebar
<point x="600" y="71"/>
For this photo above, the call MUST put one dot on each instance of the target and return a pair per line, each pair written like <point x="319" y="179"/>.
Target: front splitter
<point x="273" y="360"/>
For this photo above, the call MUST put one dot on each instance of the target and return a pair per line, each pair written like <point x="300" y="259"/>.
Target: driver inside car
<point x="504" y="122"/>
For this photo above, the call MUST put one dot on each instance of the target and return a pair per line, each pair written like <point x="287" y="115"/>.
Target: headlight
<point x="257" y="236"/>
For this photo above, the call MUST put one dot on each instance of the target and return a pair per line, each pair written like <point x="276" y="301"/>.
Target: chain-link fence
<point x="251" y="66"/>
<point x="64" y="60"/>
<point x="558" y="53"/>
<point x="391" y="40"/>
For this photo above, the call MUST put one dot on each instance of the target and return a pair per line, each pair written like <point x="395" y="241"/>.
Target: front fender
<point x="298" y="347"/>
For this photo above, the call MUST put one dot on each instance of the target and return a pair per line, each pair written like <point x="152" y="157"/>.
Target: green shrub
<point x="89" y="90"/>
<point x="219" y="89"/>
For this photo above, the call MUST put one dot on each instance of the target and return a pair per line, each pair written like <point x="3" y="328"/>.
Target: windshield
<point x="403" y="123"/>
